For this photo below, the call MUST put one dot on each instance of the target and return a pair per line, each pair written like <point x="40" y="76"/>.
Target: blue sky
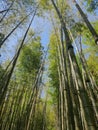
<point x="42" y="25"/>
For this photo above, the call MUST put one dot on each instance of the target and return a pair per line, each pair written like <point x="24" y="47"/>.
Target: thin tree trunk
<point x="90" y="27"/>
<point x="2" y="42"/>
<point x="7" y="11"/>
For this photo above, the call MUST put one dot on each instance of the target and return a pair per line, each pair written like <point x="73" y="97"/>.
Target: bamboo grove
<point x="62" y="95"/>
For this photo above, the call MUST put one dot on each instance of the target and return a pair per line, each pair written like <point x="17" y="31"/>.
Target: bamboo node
<point x="70" y="47"/>
<point x="96" y="40"/>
